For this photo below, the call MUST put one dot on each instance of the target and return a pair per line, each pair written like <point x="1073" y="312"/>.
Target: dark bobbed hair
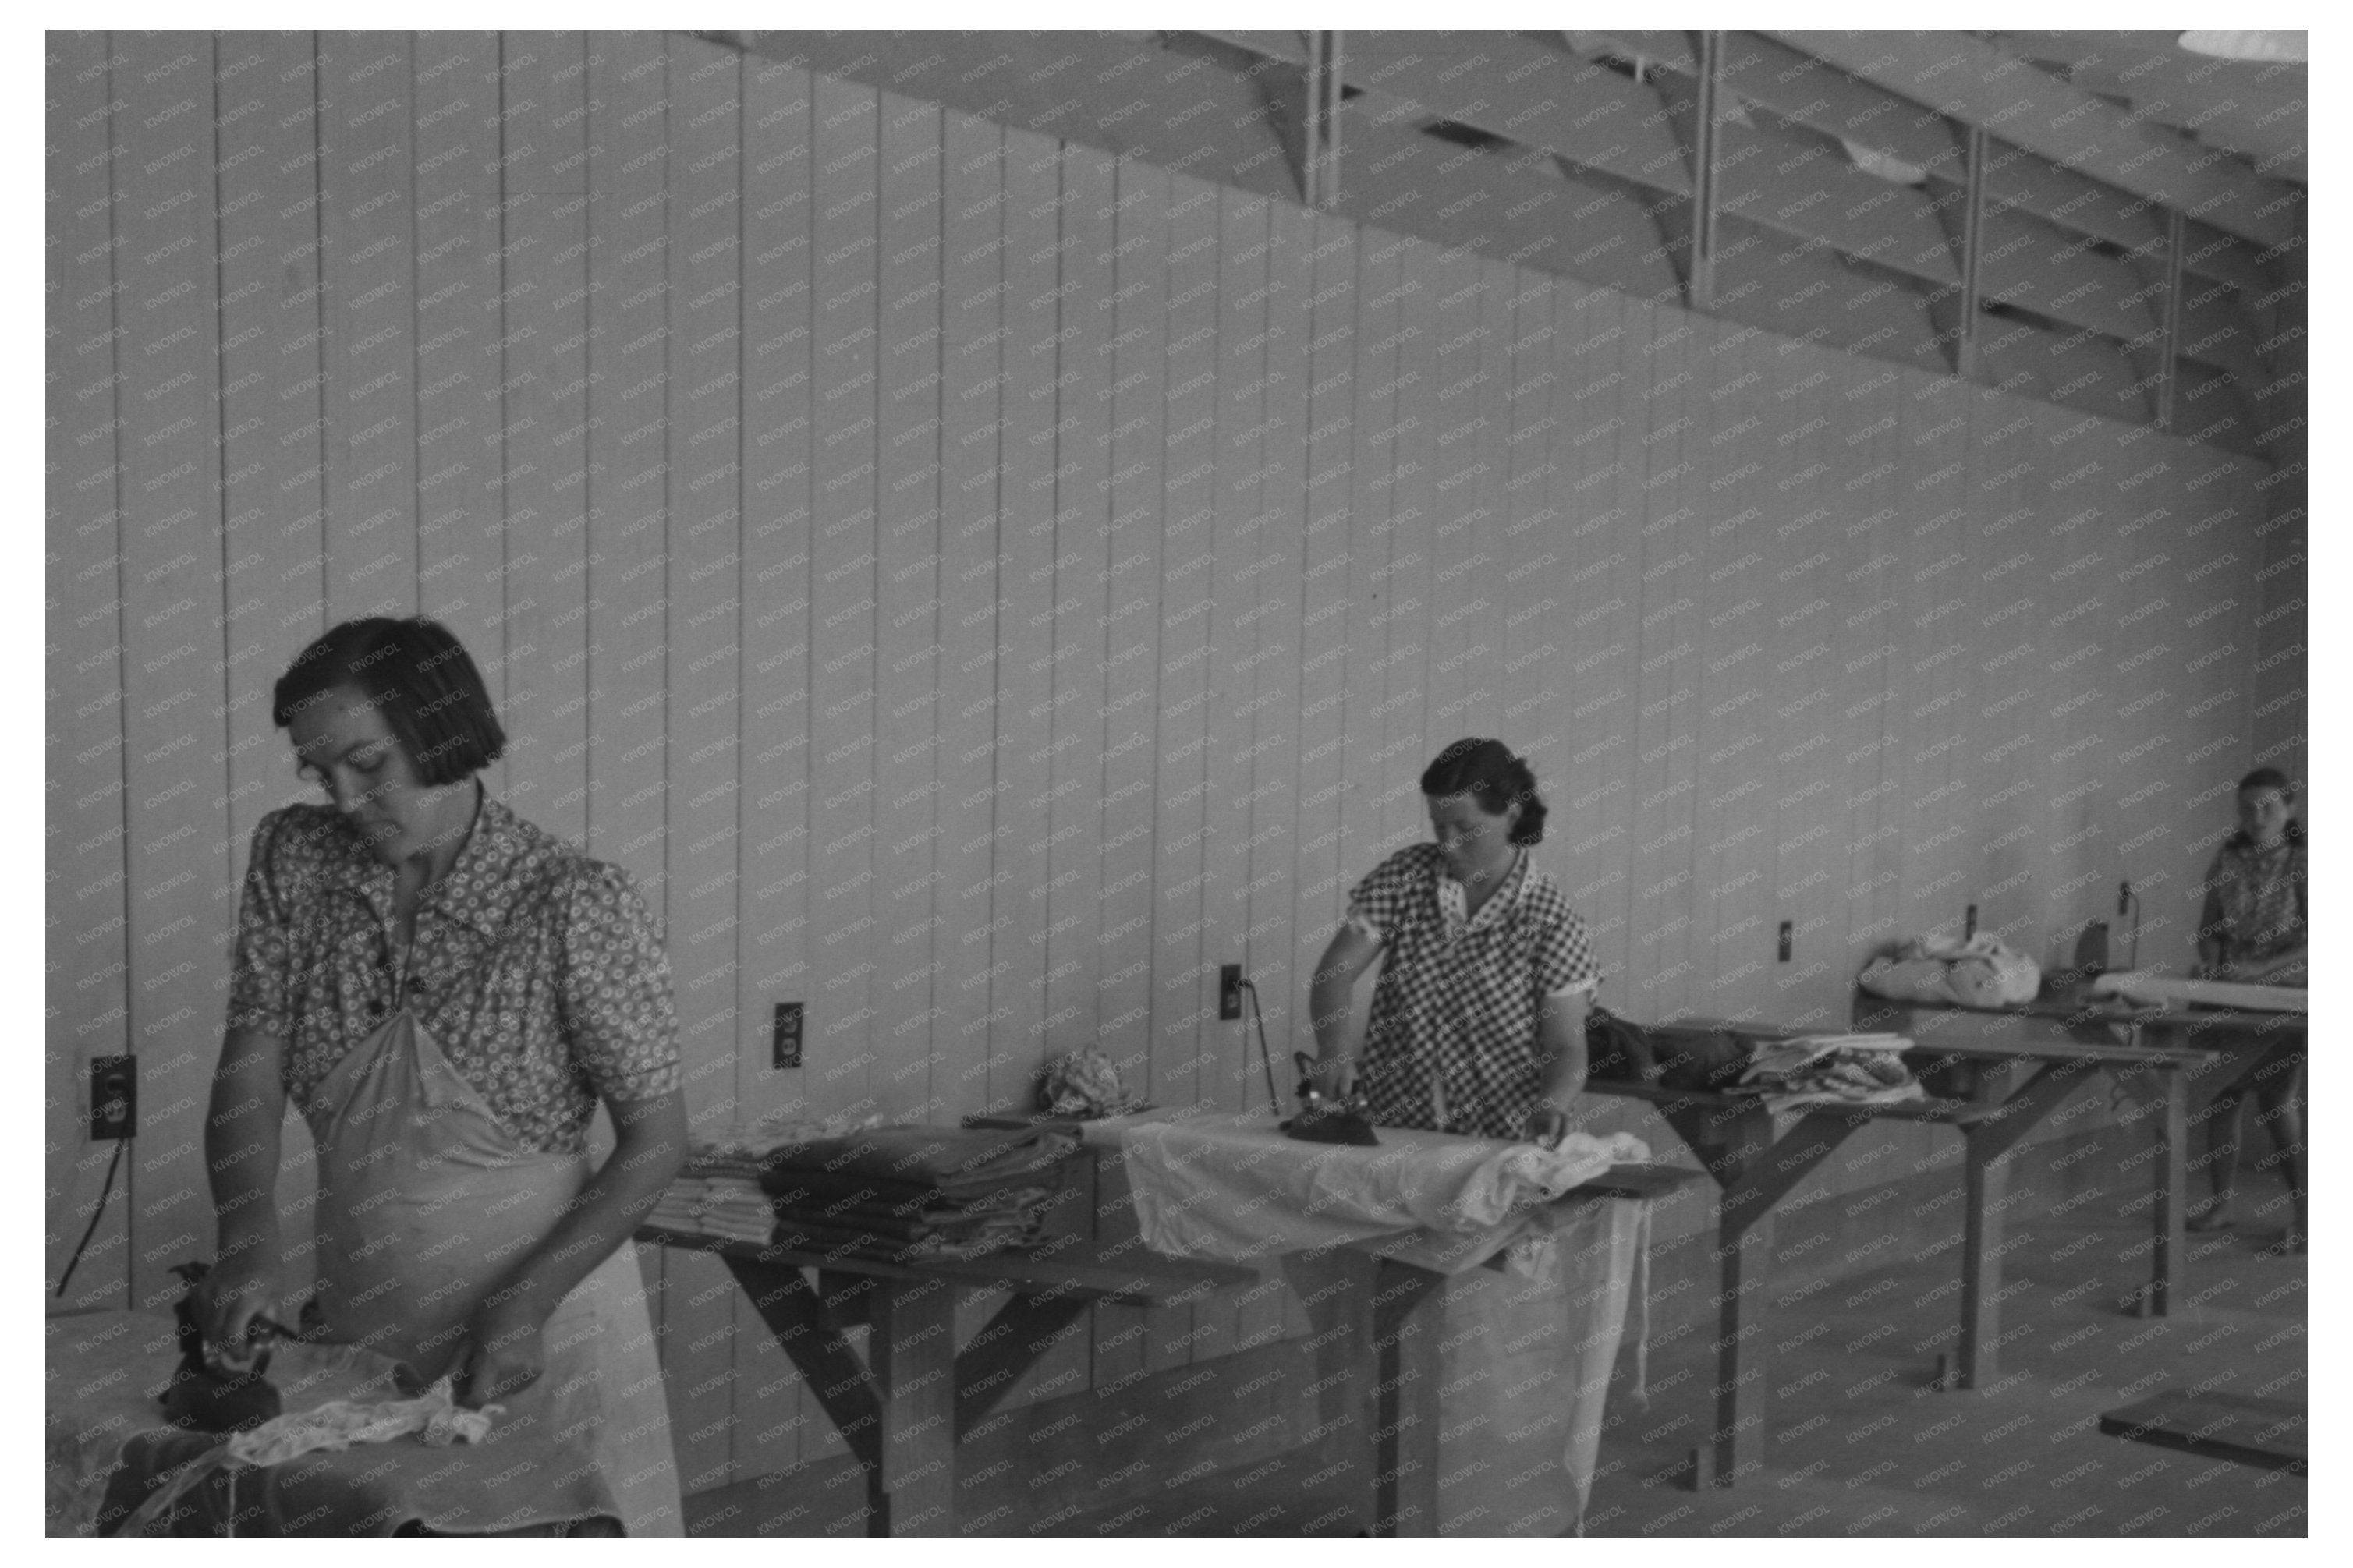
<point x="418" y="676"/>
<point x="1489" y="773"/>
<point x="2264" y="778"/>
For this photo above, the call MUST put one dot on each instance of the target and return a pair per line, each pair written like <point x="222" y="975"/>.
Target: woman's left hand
<point x="503" y="1356"/>
<point x="1546" y="1125"/>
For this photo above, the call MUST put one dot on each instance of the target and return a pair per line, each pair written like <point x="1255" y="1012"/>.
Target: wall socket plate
<point x="787" y="1049"/>
<point x="113" y="1096"/>
<point x="1229" y="991"/>
<point x="1788" y="939"/>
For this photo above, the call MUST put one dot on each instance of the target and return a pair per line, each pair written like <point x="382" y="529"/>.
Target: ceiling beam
<point x="1974" y="82"/>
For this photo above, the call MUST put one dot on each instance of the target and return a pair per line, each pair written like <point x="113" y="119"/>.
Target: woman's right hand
<point x="1335" y="1077"/>
<point x="237" y="1290"/>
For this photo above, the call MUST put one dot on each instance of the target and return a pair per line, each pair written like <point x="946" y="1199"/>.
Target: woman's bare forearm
<point x="648" y="1148"/>
<point x="242" y="1136"/>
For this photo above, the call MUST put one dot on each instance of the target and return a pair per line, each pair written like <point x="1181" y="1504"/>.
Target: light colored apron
<point x="425" y="1202"/>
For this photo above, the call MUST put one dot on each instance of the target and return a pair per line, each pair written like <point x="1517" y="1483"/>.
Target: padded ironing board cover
<point x="1234" y="1187"/>
<point x="1525" y="1353"/>
<point x="108" y="1444"/>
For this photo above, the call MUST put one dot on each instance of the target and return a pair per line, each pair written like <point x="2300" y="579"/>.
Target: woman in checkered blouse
<point x="1477" y="1022"/>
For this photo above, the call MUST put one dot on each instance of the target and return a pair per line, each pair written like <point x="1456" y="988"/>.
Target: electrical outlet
<point x="113" y="1096"/>
<point x="788" y="1048"/>
<point x="1789" y="939"/>
<point x="1229" y="991"/>
<point x="1970" y="923"/>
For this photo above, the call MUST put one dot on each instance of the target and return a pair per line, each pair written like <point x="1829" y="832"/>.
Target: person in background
<point x="2252" y="931"/>
<point x="1477" y="1022"/>
<point x="445" y="992"/>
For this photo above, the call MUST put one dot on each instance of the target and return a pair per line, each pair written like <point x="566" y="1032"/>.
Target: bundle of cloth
<point x="912" y="1192"/>
<point x="1982" y="971"/>
<point x="717" y="1193"/>
<point x="1805" y="1071"/>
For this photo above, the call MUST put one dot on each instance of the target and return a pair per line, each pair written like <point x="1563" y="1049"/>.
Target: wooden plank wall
<point x="977" y="587"/>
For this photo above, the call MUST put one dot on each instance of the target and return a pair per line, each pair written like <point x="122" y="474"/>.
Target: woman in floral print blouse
<point x="445" y="992"/>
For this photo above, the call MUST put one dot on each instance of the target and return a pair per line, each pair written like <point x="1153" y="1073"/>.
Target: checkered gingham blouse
<point x="1457" y="1003"/>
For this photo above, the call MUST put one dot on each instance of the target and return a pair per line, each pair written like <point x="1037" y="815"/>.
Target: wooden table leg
<point x="911" y="1360"/>
<point x="1405" y="1439"/>
<point x="1986" y="1177"/>
<point x="2172" y="1147"/>
<point x="1745" y="1253"/>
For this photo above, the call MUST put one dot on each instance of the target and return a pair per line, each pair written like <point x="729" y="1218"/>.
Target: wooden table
<point x="907" y="1405"/>
<point x="1734" y="1137"/>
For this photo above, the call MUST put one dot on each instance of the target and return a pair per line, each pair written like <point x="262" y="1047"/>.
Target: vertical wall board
<point x="1808" y="808"/>
<point x="1330" y="646"/>
<point x="1277" y="645"/>
<point x="1371" y="541"/>
<point x="1534" y="695"/>
<point x="366" y="234"/>
<point x="1025" y="647"/>
<point x="1242" y="546"/>
<point x="2008" y="882"/>
<point x="1414" y="558"/>
<point x="269" y="277"/>
<point x="1181" y="1028"/>
<point x="1488" y="544"/>
<point x="773" y="1411"/>
<point x="1598" y="584"/>
<point x="1137" y="311"/>
<point x="973" y="272"/>
<point x="1068" y="833"/>
<point x="1278" y="821"/>
<point x="1453" y="533"/>
<point x="700" y="882"/>
<point x="1135" y="390"/>
<point x="628" y="346"/>
<point x="2083" y="562"/>
<point x="87" y="950"/>
<point x="174" y="733"/>
<point x="846" y="237"/>
<point x="544" y="413"/>
<point x="907" y="660"/>
<point x="1183" y="994"/>
<point x="460" y="544"/>
<point x="1661" y="869"/>
<point x="1878" y="441"/>
<point x="1734" y="793"/>
<point x="1036" y="218"/>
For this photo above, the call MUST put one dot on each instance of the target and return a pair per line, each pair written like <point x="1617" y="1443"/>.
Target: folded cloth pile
<point x="718" y="1193"/>
<point x="903" y="1193"/>
<point x="1831" y="1070"/>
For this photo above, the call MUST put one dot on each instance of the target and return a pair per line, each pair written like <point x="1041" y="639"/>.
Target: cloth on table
<point x="947" y="1160"/>
<point x="910" y="1192"/>
<point x="1525" y="1351"/>
<point x="1982" y="971"/>
<point x="1806" y="1070"/>
<point x="2149" y="986"/>
<point x="1235" y="1188"/>
<point x="731" y="1206"/>
<point x="110" y="1452"/>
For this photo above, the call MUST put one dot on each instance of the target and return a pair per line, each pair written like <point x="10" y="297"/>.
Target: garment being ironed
<point x="2255" y="898"/>
<point x="438" y="1171"/>
<point x="1452" y="1043"/>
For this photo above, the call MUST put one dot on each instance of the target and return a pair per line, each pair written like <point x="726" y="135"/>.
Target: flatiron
<point x="1325" y="1118"/>
<point x="205" y="1396"/>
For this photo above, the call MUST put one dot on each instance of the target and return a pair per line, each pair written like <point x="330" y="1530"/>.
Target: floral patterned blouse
<point x="2255" y="898"/>
<point x="536" y="970"/>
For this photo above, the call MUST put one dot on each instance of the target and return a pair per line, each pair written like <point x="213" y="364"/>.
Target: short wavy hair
<point x="418" y="676"/>
<point x="1488" y="773"/>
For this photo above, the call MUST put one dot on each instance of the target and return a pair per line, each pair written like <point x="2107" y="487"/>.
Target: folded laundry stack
<point x="1830" y="1070"/>
<point x="905" y="1193"/>
<point x="718" y="1193"/>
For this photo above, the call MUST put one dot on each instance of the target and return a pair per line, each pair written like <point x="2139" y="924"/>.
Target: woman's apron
<point x="425" y="1202"/>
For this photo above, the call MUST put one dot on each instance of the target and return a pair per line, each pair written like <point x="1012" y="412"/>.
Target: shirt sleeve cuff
<point x="1359" y="921"/>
